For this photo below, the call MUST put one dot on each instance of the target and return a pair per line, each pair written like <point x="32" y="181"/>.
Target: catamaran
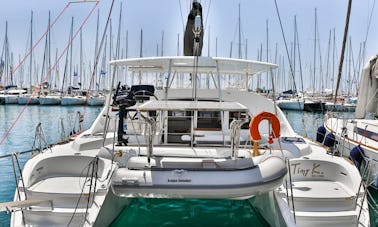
<point x="203" y="142"/>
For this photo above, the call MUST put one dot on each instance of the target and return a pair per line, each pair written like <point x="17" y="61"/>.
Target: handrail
<point x="364" y="186"/>
<point x="291" y="190"/>
<point x="40" y="137"/>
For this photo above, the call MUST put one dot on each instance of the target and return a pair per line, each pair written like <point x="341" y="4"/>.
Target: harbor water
<point x="141" y="212"/>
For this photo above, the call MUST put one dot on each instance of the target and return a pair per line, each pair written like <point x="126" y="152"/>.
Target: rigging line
<point x="369" y="23"/>
<point x="101" y="46"/>
<point x="182" y="17"/>
<point x="207" y="15"/>
<point x="40" y="39"/>
<point x="48" y="74"/>
<point x="287" y="51"/>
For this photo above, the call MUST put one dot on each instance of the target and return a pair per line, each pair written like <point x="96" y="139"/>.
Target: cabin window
<point x="179" y="124"/>
<point x="209" y="120"/>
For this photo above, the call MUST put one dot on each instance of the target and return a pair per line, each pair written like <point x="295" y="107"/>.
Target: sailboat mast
<point x="343" y="49"/>
<point x="49" y="48"/>
<point x="240" y="54"/>
<point x="314" y="76"/>
<point x="81" y="60"/>
<point x="267" y="52"/>
<point x="31" y="53"/>
<point x="71" y="35"/>
<point x="162" y="43"/>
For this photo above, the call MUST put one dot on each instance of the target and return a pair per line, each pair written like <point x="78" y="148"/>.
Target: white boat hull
<point x="49" y="100"/>
<point x="11" y="99"/>
<point x="290" y="104"/>
<point x="27" y="99"/>
<point x="71" y="101"/>
<point x="96" y="101"/>
<point x="340" y="107"/>
<point x="347" y="139"/>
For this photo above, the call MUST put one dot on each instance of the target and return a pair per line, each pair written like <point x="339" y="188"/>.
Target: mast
<point x="141" y="44"/>
<point x="110" y="48"/>
<point x="294" y="49"/>
<point x="127" y="43"/>
<point x="49" y="49"/>
<point x="208" y="43"/>
<point x="81" y="60"/>
<point x="71" y="36"/>
<point x="299" y="55"/>
<point x="343" y="48"/>
<point x="333" y="59"/>
<point x="178" y="44"/>
<point x="95" y="75"/>
<point x="349" y="65"/>
<point x="267" y="53"/>
<point x="216" y="47"/>
<point x="328" y="52"/>
<point x="5" y="63"/>
<point x="31" y="53"/>
<point x="314" y="76"/>
<point x="240" y="54"/>
<point x="162" y="43"/>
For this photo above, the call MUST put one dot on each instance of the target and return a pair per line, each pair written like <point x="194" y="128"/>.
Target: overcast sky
<point x="220" y="15"/>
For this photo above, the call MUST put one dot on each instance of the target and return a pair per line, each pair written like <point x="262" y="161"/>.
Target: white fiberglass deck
<point x="61" y="185"/>
<point x="320" y="189"/>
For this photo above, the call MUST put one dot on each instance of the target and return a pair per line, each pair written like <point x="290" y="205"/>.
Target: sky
<point x="220" y="21"/>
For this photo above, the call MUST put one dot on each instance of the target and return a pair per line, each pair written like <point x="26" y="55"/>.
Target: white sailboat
<point x="96" y="100"/>
<point x="50" y="99"/>
<point x="29" y="99"/>
<point x="11" y="95"/>
<point x="291" y="104"/>
<point x="358" y="137"/>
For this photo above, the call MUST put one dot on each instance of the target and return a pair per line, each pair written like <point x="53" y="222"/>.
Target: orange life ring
<point x="254" y="125"/>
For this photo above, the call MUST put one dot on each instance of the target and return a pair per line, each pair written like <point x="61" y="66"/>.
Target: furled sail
<point x="194" y="32"/>
<point x="368" y="91"/>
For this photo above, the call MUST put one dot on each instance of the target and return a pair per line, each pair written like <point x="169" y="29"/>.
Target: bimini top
<point x="185" y="64"/>
<point x="168" y="105"/>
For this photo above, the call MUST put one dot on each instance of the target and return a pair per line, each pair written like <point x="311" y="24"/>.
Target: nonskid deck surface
<point x="320" y="189"/>
<point x="321" y="196"/>
<point x="62" y="185"/>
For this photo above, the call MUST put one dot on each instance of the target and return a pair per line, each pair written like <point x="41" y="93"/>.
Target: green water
<point x="189" y="212"/>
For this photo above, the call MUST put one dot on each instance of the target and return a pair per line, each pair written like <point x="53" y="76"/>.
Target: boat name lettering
<point x="311" y="172"/>
<point x="179" y="180"/>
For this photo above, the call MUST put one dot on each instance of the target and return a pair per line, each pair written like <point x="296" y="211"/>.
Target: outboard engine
<point x="193" y="37"/>
<point x="357" y="156"/>
<point x="320" y="133"/>
<point x="126" y="97"/>
<point x="329" y="141"/>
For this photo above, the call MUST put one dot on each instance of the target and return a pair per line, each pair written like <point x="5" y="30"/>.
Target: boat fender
<point x="357" y="156"/>
<point x="329" y="141"/>
<point x="254" y="128"/>
<point x="320" y="133"/>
